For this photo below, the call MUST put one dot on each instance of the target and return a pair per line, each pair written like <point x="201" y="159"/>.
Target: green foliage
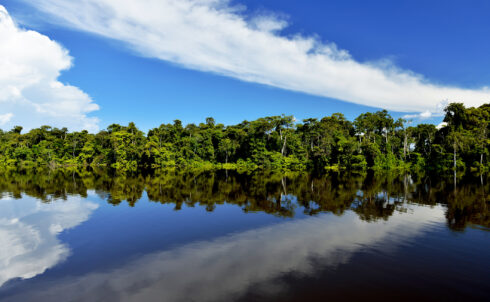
<point x="373" y="141"/>
<point x="358" y="162"/>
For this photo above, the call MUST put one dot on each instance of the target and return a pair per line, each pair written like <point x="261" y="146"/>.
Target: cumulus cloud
<point x="214" y="36"/>
<point x="30" y="93"/>
<point x="28" y="234"/>
<point x="225" y="268"/>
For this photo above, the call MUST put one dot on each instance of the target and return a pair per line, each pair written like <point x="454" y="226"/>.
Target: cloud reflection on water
<point x="227" y="267"/>
<point x="28" y="234"/>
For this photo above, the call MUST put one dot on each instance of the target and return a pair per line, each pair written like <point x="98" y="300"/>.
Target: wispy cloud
<point x="214" y="36"/>
<point x="5" y="118"/>
<point x="30" y="93"/>
<point x="422" y="116"/>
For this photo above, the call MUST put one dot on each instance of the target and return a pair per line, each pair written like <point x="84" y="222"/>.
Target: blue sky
<point x="446" y="42"/>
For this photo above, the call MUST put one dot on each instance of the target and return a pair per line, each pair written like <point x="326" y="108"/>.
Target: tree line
<point x="372" y="141"/>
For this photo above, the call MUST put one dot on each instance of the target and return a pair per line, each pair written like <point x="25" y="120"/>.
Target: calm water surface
<point x="223" y="236"/>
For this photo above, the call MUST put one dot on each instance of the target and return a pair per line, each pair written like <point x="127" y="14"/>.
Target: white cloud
<point x="426" y="114"/>
<point x="268" y="23"/>
<point x="423" y="115"/>
<point x="441" y="125"/>
<point x="29" y="230"/>
<point x="225" y="268"/>
<point x="5" y="118"/>
<point x="213" y="36"/>
<point x="30" y="93"/>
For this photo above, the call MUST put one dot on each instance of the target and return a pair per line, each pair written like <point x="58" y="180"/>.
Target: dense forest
<point x="372" y="141"/>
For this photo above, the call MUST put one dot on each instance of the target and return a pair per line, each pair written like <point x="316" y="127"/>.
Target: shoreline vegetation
<point x="372" y="141"/>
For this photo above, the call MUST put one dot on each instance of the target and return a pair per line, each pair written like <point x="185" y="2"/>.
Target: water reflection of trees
<point x="371" y="196"/>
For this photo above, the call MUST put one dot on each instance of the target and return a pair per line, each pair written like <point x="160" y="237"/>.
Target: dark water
<point x="93" y="236"/>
